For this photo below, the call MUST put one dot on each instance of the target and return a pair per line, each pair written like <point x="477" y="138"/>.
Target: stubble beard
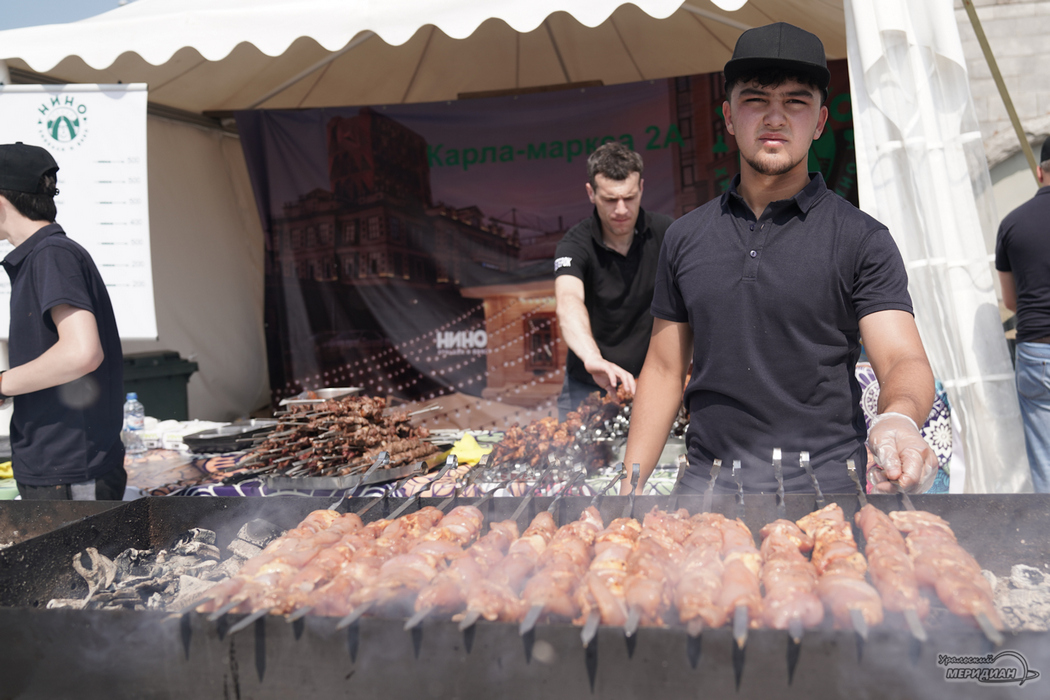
<point x="772" y="169"/>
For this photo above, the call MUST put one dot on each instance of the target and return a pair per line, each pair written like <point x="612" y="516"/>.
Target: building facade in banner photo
<point x="409" y="248"/>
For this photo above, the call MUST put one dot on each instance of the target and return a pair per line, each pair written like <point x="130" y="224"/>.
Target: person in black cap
<point x="604" y="270"/>
<point x="769" y="290"/>
<point x="1022" y="257"/>
<point x="66" y="375"/>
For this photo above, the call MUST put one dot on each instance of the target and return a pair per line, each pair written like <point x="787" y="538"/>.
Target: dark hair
<point x="39" y="206"/>
<point x="774" y="77"/>
<point x="614" y="161"/>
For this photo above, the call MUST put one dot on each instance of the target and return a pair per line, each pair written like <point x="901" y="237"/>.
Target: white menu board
<point x="97" y="134"/>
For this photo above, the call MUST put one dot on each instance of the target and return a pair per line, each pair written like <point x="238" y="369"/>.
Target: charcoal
<point x="1022" y="576"/>
<point x="242" y="549"/>
<point x="258" y="532"/>
<point x="134" y="562"/>
<point x="197" y="549"/>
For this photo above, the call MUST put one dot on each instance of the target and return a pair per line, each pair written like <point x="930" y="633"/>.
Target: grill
<point x="65" y="653"/>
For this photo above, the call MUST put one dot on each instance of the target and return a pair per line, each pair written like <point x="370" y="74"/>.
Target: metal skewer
<point x="617" y="478"/>
<point x="590" y="628"/>
<point x="533" y="615"/>
<point x="709" y="494"/>
<point x="634" y="618"/>
<point x="860" y="625"/>
<point x="449" y="464"/>
<point x="994" y="636"/>
<point x="469" y="620"/>
<point x="355" y="615"/>
<point x="628" y="511"/>
<point x="778" y="472"/>
<point x="223" y="610"/>
<point x="258" y="614"/>
<point x="386" y="495"/>
<point x="803" y="460"/>
<point x="795" y="630"/>
<point x="417" y="618"/>
<point x="740" y="623"/>
<point x="695" y="627"/>
<point x="532" y="491"/>
<point x="911" y="616"/>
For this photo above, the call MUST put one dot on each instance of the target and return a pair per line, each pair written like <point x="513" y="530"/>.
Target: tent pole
<point x="1026" y="147"/>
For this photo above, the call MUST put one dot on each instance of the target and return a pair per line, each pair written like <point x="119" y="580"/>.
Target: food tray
<point x="227" y="438"/>
<point x="341" y="483"/>
<point x="324" y="395"/>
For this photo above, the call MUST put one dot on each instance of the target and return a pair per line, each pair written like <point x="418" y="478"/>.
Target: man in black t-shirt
<point x="604" y="270"/>
<point x="1022" y="257"/>
<point x="66" y="375"/>
<point x="768" y="290"/>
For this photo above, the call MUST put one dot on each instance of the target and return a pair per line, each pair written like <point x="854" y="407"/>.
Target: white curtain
<point x="922" y="171"/>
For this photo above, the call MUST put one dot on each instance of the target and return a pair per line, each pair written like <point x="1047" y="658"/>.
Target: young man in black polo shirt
<point x="604" y="269"/>
<point x="768" y="290"/>
<point x="66" y="373"/>
<point x="1022" y="257"/>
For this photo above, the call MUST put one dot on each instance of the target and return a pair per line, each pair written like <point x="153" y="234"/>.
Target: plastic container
<point x="134" y="423"/>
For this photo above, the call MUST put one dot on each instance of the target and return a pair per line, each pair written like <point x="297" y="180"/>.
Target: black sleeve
<point x="1002" y="257"/>
<point x="668" y="303"/>
<point x="60" y="279"/>
<point x="571" y="257"/>
<point x="880" y="281"/>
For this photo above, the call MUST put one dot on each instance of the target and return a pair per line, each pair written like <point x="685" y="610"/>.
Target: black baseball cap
<point x="21" y="167"/>
<point x="779" y="45"/>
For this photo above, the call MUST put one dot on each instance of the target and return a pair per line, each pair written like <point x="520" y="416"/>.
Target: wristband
<point x="879" y="417"/>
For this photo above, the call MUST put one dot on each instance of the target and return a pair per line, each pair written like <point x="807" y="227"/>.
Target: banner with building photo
<point x="409" y="248"/>
<point x="97" y="135"/>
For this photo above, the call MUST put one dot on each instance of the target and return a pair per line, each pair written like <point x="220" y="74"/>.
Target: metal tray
<point x="225" y="438"/>
<point x="324" y="395"/>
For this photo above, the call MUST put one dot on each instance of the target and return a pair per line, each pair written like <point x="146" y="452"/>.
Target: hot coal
<point x="165" y="579"/>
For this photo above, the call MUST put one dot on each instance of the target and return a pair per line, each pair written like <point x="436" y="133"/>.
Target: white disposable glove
<point x="904" y="461"/>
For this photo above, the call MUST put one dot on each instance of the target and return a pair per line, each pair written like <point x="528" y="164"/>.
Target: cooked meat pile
<point x="669" y="568"/>
<point x="339" y="437"/>
<point x="574" y="441"/>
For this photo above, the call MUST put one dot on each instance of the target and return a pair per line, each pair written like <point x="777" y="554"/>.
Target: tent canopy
<point x="223" y="55"/>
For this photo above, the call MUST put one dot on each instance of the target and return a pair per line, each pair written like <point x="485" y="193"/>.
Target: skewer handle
<point x="778" y="473"/>
<point x="709" y="494"/>
<point x="915" y="624"/>
<point x="851" y="469"/>
<point x="634" y="618"/>
<point x="803" y="460"/>
<point x="620" y="475"/>
<point x="739" y="478"/>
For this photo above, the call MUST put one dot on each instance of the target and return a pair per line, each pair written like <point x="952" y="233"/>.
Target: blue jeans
<point x="1033" y="393"/>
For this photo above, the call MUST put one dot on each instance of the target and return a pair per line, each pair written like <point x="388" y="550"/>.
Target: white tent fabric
<point x="923" y="173"/>
<point x="224" y="55"/>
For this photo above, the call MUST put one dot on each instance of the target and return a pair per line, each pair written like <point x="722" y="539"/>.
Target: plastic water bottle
<point x="134" y="421"/>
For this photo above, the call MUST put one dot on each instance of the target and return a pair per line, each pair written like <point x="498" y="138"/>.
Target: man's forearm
<point x="575" y="326"/>
<point x="908" y="388"/>
<point x="76" y="353"/>
<point x="653" y="412"/>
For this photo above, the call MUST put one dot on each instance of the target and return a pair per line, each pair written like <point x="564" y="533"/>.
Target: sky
<point x="29" y="13"/>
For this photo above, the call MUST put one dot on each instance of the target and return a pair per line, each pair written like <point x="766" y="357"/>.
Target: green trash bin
<point x="159" y="378"/>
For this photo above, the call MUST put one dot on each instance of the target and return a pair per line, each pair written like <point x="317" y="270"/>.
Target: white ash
<point x="1022" y="598"/>
<point x="167" y="579"/>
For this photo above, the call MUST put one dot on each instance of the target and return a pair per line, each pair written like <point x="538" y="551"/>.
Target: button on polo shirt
<point x="774" y="305"/>
<point x="69" y="433"/>
<point x="618" y="289"/>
